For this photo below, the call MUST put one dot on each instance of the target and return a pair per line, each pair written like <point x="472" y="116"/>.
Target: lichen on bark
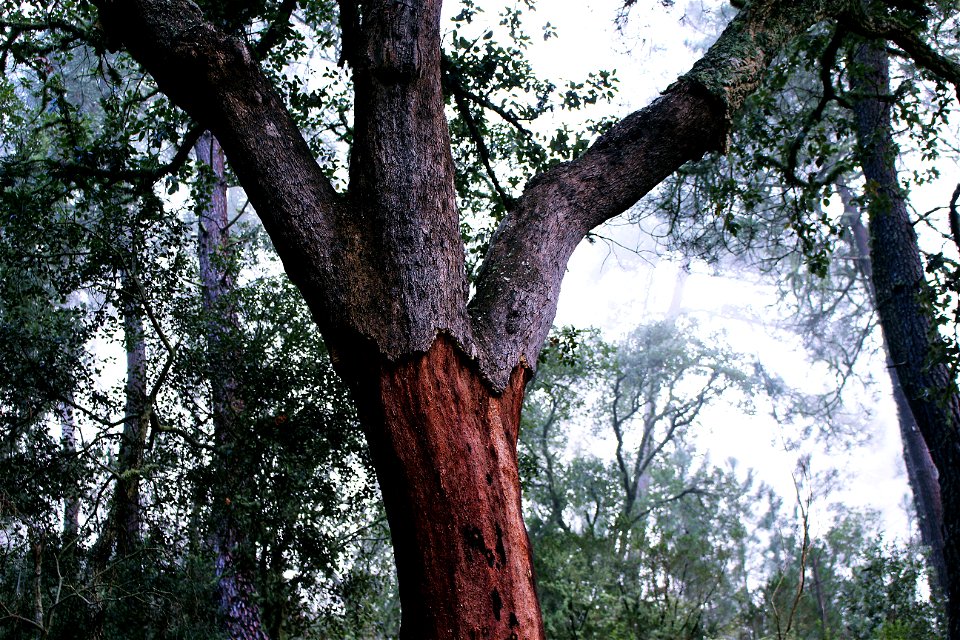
<point x="733" y="67"/>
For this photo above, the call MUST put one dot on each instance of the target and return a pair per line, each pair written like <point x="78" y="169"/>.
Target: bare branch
<point x="138" y="177"/>
<point x="157" y="427"/>
<point x="477" y="137"/>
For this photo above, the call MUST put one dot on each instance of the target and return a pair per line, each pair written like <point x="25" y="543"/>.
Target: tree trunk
<point x="921" y="471"/>
<point x="924" y="484"/>
<point x="36" y="582"/>
<point x="818" y="592"/>
<point x="445" y="450"/>
<point x="901" y="291"/>
<point x="234" y="569"/>
<point x="68" y="446"/>
<point x="121" y="531"/>
<point x="127" y="508"/>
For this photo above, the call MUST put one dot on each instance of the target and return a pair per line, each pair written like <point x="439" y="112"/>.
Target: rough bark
<point x="383" y="269"/>
<point x="238" y="601"/>
<point x="439" y="383"/>
<point x="898" y="280"/>
<point x="921" y="471"/>
<point x="519" y="282"/>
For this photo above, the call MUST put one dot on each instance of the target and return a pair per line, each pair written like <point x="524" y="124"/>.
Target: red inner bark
<point x="445" y="448"/>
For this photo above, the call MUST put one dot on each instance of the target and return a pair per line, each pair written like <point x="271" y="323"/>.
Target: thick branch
<point x="405" y="251"/>
<point x="908" y="39"/>
<point x="382" y="269"/>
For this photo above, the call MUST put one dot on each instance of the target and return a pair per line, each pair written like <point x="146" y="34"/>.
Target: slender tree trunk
<point x="233" y="557"/>
<point x="68" y="446"/>
<point x="676" y="301"/>
<point x="898" y="279"/>
<point x="121" y="531"/>
<point x="818" y="592"/>
<point x="36" y="583"/>
<point x="921" y="471"/>
<point x="127" y="503"/>
<point x="924" y="483"/>
<point x="557" y="501"/>
<point x="70" y="556"/>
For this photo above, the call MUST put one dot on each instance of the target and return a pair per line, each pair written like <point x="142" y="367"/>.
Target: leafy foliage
<point x="686" y="549"/>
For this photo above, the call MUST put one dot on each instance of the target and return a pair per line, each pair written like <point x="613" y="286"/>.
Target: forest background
<point x="177" y="448"/>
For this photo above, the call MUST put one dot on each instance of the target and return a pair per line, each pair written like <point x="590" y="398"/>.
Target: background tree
<point x="646" y="539"/>
<point x="705" y="551"/>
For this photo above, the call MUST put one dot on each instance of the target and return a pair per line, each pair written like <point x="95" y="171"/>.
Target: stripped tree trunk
<point x="445" y="449"/>
<point x="238" y="601"/>
<point x="901" y="290"/>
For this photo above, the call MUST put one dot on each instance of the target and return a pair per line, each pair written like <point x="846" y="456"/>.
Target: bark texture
<point x="900" y="290"/>
<point x="381" y="267"/>
<point x="238" y="600"/>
